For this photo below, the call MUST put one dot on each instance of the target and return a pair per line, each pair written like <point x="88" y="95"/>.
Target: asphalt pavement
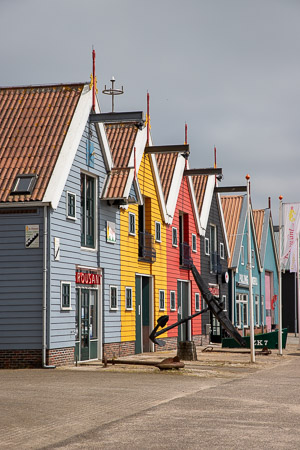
<point x="221" y="401"/>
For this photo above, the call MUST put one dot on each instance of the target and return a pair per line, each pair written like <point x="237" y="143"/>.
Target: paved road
<point x="77" y="409"/>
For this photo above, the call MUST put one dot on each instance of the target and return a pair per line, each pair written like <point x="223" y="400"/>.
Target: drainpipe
<point x="233" y="297"/>
<point x="45" y="243"/>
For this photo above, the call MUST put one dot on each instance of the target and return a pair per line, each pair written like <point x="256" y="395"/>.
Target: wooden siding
<point x="130" y="265"/>
<point x="21" y="283"/>
<point x="62" y="323"/>
<point x="214" y="219"/>
<point x="174" y="273"/>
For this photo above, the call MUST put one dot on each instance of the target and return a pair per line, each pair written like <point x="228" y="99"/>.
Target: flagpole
<point x="252" y="349"/>
<point x="279" y="282"/>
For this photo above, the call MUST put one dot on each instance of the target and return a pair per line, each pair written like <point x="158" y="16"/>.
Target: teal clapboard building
<point x="235" y="216"/>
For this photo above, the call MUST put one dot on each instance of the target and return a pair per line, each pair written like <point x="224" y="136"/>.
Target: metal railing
<point x="147" y="252"/>
<point x="215" y="263"/>
<point x="185" y="259"/>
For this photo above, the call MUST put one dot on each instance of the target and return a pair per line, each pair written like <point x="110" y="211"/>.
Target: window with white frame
<point x="194" y="242"/>
<point x="242" y="310"/>
<point x="88" y="211"/>
<point x="113" y="297"/>
<point x="224" y="301"/>
<point x="256" y="307"/>
<point x="65" y="295"/>
<point x="174" y="237"/>
<point x="161" y="300"/>
<point x="222" y="250"/>
<point x="252" y="258"/>
<point x="206" y="246"/>
<point x="158" y="231"/>
<point x="197" y="301"/>
<point x="128" y="298"/>
<point x="172" y="301"/>
<point x="242" y="255"/>
<point x="71" y="205"/>
<point x="131" y="223"/>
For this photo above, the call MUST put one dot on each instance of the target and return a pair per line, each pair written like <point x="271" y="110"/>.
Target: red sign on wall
<point x="214" y="289"/>
<point x="87" y="278"/>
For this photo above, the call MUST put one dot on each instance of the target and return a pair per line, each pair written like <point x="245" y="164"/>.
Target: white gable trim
<point x="209" y="191"/>
<point x="175" y="187"/>
<point x="223" y="224"/>
<point x="194" y="205"/>
<point x="139" y="144"/>
<point x="159" y="189"/>
<point x="69" y="148"/>
<point x="100" y="129"/>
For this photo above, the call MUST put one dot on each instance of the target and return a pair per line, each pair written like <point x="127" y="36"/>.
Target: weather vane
<point x="113" y="91"/>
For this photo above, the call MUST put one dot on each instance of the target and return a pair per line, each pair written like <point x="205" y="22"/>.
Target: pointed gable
<point x="121" y="138"/>
<point x="200" y="183"/>
<point x="166" y="163"/>
<point x="34" y="122"/>
<point x="258" y="218"/>
<point x="232" y="207"/>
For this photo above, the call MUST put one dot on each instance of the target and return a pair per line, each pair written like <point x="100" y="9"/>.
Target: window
<point x="194" y="242"/>
<point x="128" y="298"/>
<point x="221" y="250"/>
<point x="172" y="301"/>
<point x="158" y="231"/>
<point x="88" y="211"/>
<point x="65" y="295"/>
<point x="197" y="301"/>
<point x="131" y="224"/>
<point x="71" y="205"/>
<point x="242" y="310"/>
<point x="213" y="238"/>
<point x="174" y="237"/>
<point x="224" y="301"/>
<point x="24" y="184"/>
<point x="161" y="300"/>
<point x="252" y="258"/>
<point x="256" y="310"/>
<point x="242" y="255"/>
<point x="113" y="297"/>
<point x="206" y="244"/>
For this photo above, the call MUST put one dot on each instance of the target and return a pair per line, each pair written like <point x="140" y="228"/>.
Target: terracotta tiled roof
<point x="166" y="163"/>
<point x="258" y="216"/>
<point x="33" y="124"/>
<point x="232" y="205"/>
<point x="116" y="183"/>
<point x="200" y="182"/>
<point x="121" y="138"/>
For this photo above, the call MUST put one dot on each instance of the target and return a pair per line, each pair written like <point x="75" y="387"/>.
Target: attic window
<point x="24" y="184"/>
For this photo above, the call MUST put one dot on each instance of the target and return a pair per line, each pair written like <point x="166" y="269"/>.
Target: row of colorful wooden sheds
<point x="98" y="230"/>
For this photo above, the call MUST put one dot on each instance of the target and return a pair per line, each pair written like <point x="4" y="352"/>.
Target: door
<point x="183" y="297"/>
<point x="215" y="335"/>
<point x="86" y="334"/>
<point x="268" y="295"/>
<point x="138" y="314"/>
<point x="142" y="314"/>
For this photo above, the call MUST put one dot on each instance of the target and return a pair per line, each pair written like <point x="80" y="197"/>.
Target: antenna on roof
<point x="113" y="91"/>
<point x="185" y="133"/>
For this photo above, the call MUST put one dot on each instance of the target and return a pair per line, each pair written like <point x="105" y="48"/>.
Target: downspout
<point x="45" y="243"/>
<point x="233" y="297"/>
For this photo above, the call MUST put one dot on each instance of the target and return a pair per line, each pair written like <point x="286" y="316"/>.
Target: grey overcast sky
<point x="229" y="68"/>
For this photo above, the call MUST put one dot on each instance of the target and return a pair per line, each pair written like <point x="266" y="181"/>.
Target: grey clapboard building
<point x="60" y="249"/>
